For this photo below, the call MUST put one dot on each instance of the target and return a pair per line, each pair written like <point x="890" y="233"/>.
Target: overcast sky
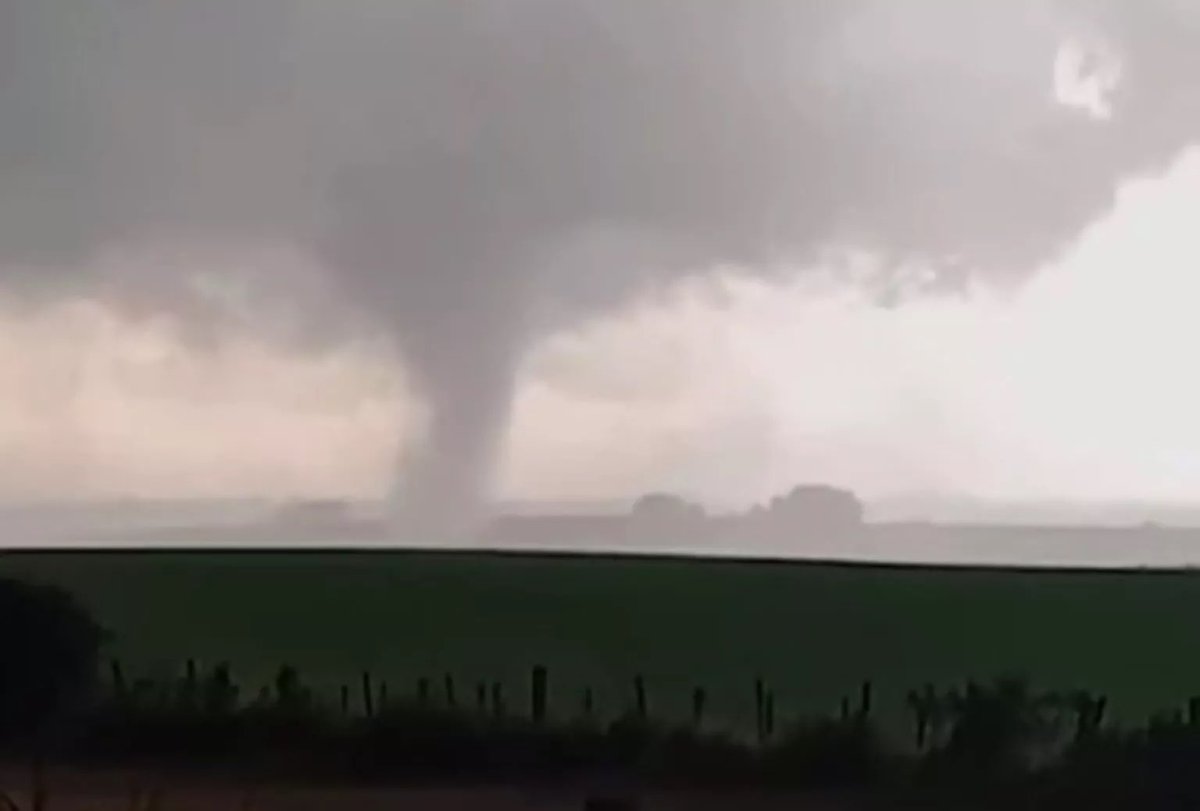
<point x="565" y="249"/>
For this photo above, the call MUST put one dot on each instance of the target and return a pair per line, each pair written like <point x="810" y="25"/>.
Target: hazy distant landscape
<point x="917" y="530"/>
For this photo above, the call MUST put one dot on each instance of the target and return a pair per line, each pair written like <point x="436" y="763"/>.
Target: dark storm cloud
<point x="468" y="170"/>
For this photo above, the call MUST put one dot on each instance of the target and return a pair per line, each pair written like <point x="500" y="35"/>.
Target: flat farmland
<point x="812" y="630"/>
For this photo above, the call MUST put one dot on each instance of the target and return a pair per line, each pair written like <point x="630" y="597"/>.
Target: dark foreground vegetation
<point x="1000" y="744"/>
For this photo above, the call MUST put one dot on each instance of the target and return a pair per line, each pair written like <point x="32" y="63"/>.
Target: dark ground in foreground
<point x="112" y="790"/>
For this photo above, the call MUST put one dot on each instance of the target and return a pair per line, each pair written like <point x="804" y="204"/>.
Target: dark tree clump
<point x="51" y="649"/>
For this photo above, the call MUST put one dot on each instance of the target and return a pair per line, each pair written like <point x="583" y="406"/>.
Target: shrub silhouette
<point x="924" y="706"/>
<point x="1088" y="711"/>
<point x="825" y="754"/>
<point x="994" y="729"/>
<point x="220" y="693"/>
<point x="51" y="656"/>
<point x="291" y="697"/>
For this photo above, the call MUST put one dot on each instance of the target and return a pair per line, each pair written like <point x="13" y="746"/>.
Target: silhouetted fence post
<point x="589" y="705"/>
<point x="498" y="709"/>
<point x="537" y="698"/>
<point x="760" y="717"/>
<point x="423" y="691"/>
<point x="448" y="684"/>
<point x="1098" y="708"/>
<point x="864" y="701"/>
<point x="1089" y="713"/>
<point x="118" y="679"/>
<point x="481" y="697"/>
<point x="640" y="701"/>
<point x="190" y="684"/>
<point x="699" y="699"/>
<point x="922" y="706"/>
<point x="368" y="695"/>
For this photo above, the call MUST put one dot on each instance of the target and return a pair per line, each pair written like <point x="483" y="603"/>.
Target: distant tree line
<point x="804" y="509"/>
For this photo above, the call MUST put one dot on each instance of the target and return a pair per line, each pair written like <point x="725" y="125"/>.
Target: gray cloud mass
<point x="472" y="173"/>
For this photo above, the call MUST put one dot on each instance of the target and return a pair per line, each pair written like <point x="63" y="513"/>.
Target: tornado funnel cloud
<point x="444" y="485"/>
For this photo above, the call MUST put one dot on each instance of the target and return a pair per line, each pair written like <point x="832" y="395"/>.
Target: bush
<point x="51" y="654"/>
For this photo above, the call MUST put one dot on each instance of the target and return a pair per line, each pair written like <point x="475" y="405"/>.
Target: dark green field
<point x="814" y="631"/>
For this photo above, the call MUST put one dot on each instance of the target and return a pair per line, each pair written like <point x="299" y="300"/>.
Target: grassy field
<point x="814" y="631"/>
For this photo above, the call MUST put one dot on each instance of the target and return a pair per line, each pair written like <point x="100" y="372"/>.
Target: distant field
<point x="812" y="630"/>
